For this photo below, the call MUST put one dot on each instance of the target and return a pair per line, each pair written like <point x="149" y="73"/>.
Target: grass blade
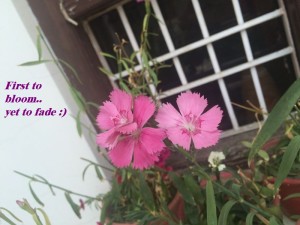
<point x="74" y="206"/>
<point x="287" y="161"/>
<point x="225" y="212"/>
<point x="278" y="115"/>
<point x="36" y="198"/>
<point x="211" y="204"/>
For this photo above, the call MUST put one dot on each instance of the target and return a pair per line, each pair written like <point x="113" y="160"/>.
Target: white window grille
<point x="248" y="72"/>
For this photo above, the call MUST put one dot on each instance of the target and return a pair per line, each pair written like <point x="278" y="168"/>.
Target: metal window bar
<point x="98" y="50"/>
<point x="228" y="72"/>
<point x="289" y="37"/>
<point x="215" y="64"/>
<point x="218" y="75"/>
<point x="168" y="41"/>
<point x="132" y="40"/>
<point x="215" y="37"/>
<point x="249" y="55"/>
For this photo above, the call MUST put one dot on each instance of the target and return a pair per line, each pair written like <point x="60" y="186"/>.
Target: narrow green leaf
<point x="124" y="86"/>
<point x="181" y="187"/>
<point x="106" y="72"/>
<point x="145" y="60"/>
<point x="225" y="212"/>
<point x="125" y="65"/>
<point x="287" y="161"/>
<point x="36" y="219"/>
<point x="98" y="172"/>
<point x="146" y="22"/>
<point x="273" y="221"/>
<point x="70" y="68"/>
<point x="211" y="204"/>
<point x="107" y="55"/>
<point x="78" y="123"/>
<point x="10" y="213"/>
<point x="39" y="47"/>
<point x="36" y="198"/>
<point x="146" y="193"/>
<point x="74" y="206"/>
<point x="5" y="218"/>
<point x="249" y="218"/>
<point x="85" y="169"/>
<point x="277" y="116"/>
<point x="47" y="182"/>
<point x="264" y="155"/>
<point x="93" y="104"/>
<point x="153" y="76"/>
<point x="78" y="98"/>
<point x="133" y="55"/>
<point x="193" y="187"/>
<point x="295" y="195"/>
<point x="46" y="218"/>
<point x="33" y="63"/>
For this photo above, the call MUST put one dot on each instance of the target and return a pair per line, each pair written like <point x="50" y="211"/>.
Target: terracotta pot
<point x="290" y="206"/>
<point x="176" y="206"/>
<point x="289" y="186"/>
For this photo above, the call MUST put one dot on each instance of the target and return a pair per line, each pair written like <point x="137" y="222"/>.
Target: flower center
<point x="120" y="119"/>
<point x="192" y="124"/>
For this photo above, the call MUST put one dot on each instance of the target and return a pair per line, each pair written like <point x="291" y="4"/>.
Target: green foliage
<point x="211" y="204"/>
<point x="137" y="196"/>
<point x="276" y="117"/>
<point x="74" y="206"/>
<point x="7" y="219"/>
<point x="287" y="162"/>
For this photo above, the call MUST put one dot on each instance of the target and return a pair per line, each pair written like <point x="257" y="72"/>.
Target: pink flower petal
<point x="141" y="158"/>
<point x="107" y="111"/>
<point x="108" y="139"/>
<point x="191" y="103"/>
<point x="143" y="110"/>
<point x="178" y="137"/>
<point x="211" y="119"/>
<point x="168" y="116"/>
<point x="206" y="139"/>
<point x="152" y="139"/>
<point x="121" y="99"/>
<point x="121" y="154"/>
<point x="127" y="128"/>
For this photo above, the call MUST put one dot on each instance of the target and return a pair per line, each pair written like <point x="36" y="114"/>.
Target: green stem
<point x="224" y="189"/>
<point x="56" y="186"/>
<point x="193" y="160"/>
<point x="241" y="200"/>
<point x="96" y="164"/>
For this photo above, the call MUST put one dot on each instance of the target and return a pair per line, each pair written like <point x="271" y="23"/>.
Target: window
<point x="228" y="50"/>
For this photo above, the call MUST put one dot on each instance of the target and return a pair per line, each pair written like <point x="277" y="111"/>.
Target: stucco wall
<point x="49" y="146"/>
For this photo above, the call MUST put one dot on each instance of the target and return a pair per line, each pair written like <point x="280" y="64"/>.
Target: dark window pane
<point x="267" y="37"/>
<point x="219" y="14"/>
<point x="230" y="51"/>
<point x="275" y="78"/>
<point x="135" y="14"/>
<point x="212" y="92"/>
<point x="172" y="100"/>
<point x="181" y="21"/>
<point x="105" y="28"/>
<point x="168" y="77"/>
<point x="196" y="64"/>
<point x="241" y="89"/>
<point x="256" y="8"/>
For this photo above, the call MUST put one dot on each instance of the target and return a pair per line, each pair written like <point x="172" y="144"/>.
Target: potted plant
<point x="138" y="132"/>
<point x="282" y="164"/>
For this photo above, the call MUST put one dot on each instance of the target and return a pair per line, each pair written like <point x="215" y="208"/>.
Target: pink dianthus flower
<point x="190" y="123"/>
<point x="128" y="141"/>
